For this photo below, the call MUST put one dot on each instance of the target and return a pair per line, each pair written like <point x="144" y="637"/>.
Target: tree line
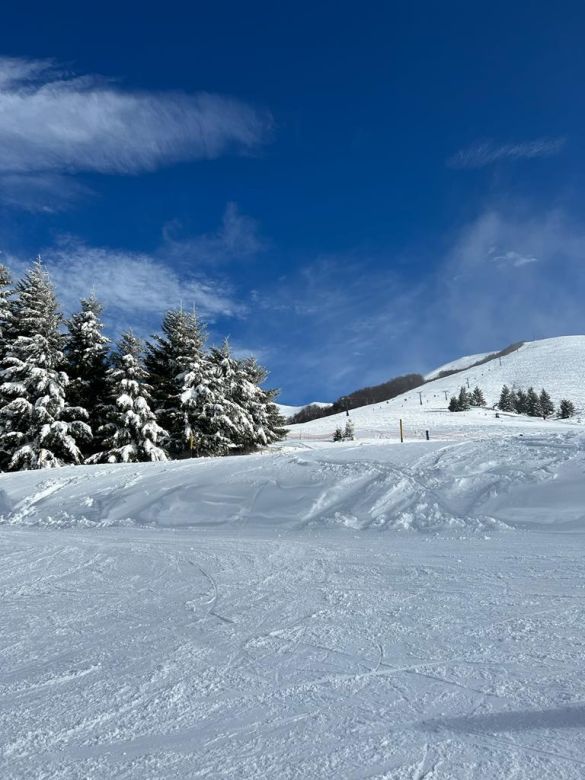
<point x="362" y="397"/>
<point x="67" y="397"/>
<point x="465" y="400"/>
<point x="527" y="402"/>
<point x="533" y="404"/>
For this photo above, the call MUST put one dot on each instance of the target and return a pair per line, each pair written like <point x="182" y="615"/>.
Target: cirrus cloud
<point x="53" y="123"/>
<point x="484" y="153"/>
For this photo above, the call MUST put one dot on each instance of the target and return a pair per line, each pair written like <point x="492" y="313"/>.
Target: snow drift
<point x="521" y="481"/>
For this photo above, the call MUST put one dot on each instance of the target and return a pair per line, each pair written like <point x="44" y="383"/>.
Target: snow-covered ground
<point x="349" y="610"/>
<point x="355" y="610"/>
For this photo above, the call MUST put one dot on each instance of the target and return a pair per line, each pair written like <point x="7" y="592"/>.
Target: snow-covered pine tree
<point x="520" y="402"/>
<point x="566" y="409"/>
<point x="464" y="400"/>
<point x="173" y="353"/>
<point x="38" y="428"/>
<point x="131" y="433"/>
<point x="454" y="404"/>
<point x="338" y="434"/>
<point x="215" y="423"/>
<point x="546" y="405"/>
<point x="258" y="405"/>
<point x="86" y="350"/>
<point x="5" y="313"/>
<point x="506" y="402"/>
<point x="533" y="403"/>
<point x="477" y="398"/>
<point x="349" y="431"/>
<point x="229" y="421"/>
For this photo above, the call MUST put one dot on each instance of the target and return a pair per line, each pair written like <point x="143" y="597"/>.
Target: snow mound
<point x="521" y="481"/>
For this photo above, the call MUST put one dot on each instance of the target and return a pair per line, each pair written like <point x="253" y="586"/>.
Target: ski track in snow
<point x="149" y="653"/>
<point x="363" y="610"/>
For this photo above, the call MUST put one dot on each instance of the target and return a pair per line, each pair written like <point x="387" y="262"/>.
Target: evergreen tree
<point x="464" y="400"/>
<point x="348" y="433"/>
<point x="257" y="404"/>
<point x="131" y="433"/>
<point x="533" y="403"/>
<point x="170" y="355"/>
<point x="214" y="423"/>
<point x="86" y="350"/>
<point x="521" y="402"/>
<point x="454" y="404"/>
<point x="546" y="405"/>
<point x="338" y="435"/>
<point x="566" y="409"/>
<point x="38" y="429"/>
<point x="5" y="307"/>
<point x="477" y="398"/>
<point x="506" y="402"/>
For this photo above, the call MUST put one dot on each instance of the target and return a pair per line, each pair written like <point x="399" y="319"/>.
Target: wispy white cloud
<point x="54" y="123"/>
<point x="351" y="320"/>
<point x="137" y="287"/>
<point x="511" y="257"/>
<point x="47" y="193"/>
<point x="238" y="238"/>
<point x="484" y="153"/>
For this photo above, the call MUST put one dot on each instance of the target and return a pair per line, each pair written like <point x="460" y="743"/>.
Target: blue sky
<point x="352" y="191"/>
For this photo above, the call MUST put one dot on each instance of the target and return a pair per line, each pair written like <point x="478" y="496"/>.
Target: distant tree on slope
<point x="533" y="403"/>
<point x="477" y="397"/>
<point x="464" y="400"/>
<point x="506" y="402"/>
<point x="566" y="409"/>
<point x="520" y="402"/>
<point x="546" y="405"/>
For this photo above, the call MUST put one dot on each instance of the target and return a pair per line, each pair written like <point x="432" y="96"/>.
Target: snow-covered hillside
<point x="288" y="411"/>
<point x="557" y="364"/>
<point x="458" y="365"/>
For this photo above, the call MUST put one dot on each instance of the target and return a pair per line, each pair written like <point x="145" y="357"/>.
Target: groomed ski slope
<point x="556" y="364"/>
<point x="364" y="609"/>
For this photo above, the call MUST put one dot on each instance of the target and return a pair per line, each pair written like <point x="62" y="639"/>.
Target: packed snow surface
<point x="363" y="609"/>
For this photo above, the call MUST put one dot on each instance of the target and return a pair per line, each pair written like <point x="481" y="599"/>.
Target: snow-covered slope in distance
<point x="457" y="365"/>
<point x="287" y="411"/>
<point x="557" y="364"/>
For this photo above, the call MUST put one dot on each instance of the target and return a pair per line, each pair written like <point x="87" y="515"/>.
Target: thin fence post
<point x="401" y="432"/>
<point x="428" y="437"/>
